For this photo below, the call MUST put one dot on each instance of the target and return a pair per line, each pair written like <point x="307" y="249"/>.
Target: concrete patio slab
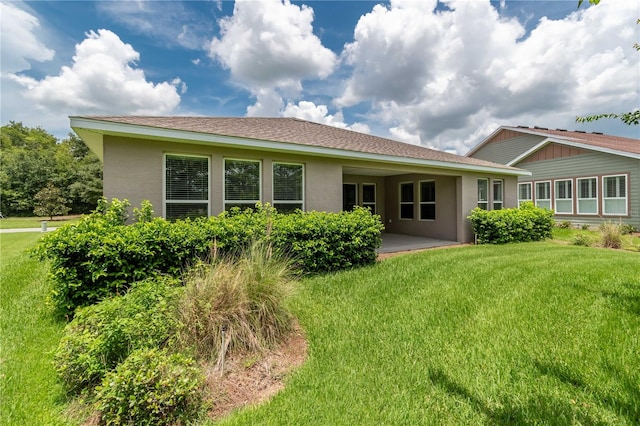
<point x="392" y="243"/>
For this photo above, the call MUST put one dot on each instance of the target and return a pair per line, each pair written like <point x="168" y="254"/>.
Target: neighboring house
<point x="189" y="166"/>
<point x="586" y="178"/>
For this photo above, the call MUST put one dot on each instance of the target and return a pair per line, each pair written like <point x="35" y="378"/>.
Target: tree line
<point x="42" y="175"/>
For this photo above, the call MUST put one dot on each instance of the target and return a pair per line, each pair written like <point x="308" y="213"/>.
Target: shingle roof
<point x="599" y="140"/>
<point x="296" y="131"/>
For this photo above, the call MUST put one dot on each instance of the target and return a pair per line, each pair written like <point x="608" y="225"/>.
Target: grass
<point x="35" y="222"/>
<point x="629" y="242"/>
<point x="29" y="390"/>
<point x="536" y="333"/>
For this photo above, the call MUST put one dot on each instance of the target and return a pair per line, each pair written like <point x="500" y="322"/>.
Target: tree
<point x="50" y="202"/>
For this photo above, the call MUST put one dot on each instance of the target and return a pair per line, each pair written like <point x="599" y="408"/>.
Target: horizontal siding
<point x="591" y="164"/>
<point x="505" y="151"/>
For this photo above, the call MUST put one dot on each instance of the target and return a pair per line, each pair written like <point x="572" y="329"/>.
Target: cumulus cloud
<point x="102" y="80"/>
<point x="19" y="42"/>
<point x="309" y="111"/>
<point x="439" y="76"/>
<point x="269" y="47"/>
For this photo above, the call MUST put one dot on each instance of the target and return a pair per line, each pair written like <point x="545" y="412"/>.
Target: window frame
<point x="618" y="198"/>
<point x="301" y="201"/>
<point x="226" y="202"/>
<point x="524" y="200"/>
<point x="375" y="198"/>
<point x="556" y="196"/>
<point x="165" y="201"/>
<point x="578" y="198"/>
<point x="481" y="201"/>
<point x="538" y="199"/>
<point x="422" y="202"/>
<point x="403" y="203"/>
<point x="493" y="197"/>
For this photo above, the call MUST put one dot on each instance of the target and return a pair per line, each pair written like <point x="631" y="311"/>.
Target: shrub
<point x="565" y="224"/>
<point x="627" y="228"/>
<point x="584" y="227"/>
<point x="610" y="235"/>
<point x="581" y="240"/>
<point x="151" y="387"/>
<point x="527" y="223"/>
<point x="103" y="335"/>
<point x="100" y="256"/>
<point x="244" y="296"/>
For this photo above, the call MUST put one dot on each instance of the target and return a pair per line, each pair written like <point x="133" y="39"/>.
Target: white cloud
<point x="309" y="111"/>
<point x="19" y="42"/>
<point x="440" y="76"/>
<point x="269" y="47"/>
<point x="102" y="80"/>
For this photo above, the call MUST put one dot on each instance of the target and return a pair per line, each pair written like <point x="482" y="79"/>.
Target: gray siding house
<point x="586" y="178"/>
<point x="192" y="166"/>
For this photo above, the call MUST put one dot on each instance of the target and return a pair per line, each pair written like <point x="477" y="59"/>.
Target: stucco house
<point x="586" y="178"/>
<point x="190" y="166"/>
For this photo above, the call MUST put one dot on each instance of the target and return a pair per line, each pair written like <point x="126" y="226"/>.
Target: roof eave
<point x="83" y="124"/>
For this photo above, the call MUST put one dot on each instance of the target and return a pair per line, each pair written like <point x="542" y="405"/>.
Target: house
<point x="586" y="178"/>
<point x="189" y="166"/>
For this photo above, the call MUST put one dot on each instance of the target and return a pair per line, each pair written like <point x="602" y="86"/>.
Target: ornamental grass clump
<point x="610" y="235"/>
<point x="237" y="302"/>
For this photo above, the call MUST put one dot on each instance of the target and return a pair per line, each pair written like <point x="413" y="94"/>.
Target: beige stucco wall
<point x="133" y="169"/>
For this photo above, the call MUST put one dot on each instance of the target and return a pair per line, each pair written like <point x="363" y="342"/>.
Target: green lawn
<point x="29" y="391"/>
<point x="33" y="222"/>
<point x="535" y="333"/>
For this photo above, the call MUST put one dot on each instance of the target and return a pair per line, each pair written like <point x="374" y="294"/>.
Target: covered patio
<point x="393" y="243"/>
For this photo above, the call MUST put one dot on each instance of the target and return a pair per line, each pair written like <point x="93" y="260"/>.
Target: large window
<point x="543" y="195"/>
<point x="614" y="195"/>
<point x="483" y="193"/>
<point x="498" y="194"/>
<point x="241" y="183"/>
<point x="288" y="187"/>
<point x="564" y="197"/>
<point x="349" y="196"/>
<point x="524" y="193"/>
<point x="587" y="195"/>
<point x="406" y="200"/>
<point x="369" y="196"/>
<point x="186" y="186"/>
<point x="428" y="200"/>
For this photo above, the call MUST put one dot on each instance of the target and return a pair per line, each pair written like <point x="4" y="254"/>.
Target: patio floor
<point x="392" y="243"/>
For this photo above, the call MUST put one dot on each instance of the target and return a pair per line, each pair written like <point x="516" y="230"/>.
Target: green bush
<point x="581" y="240"/>
<point x="526" y="223"/>
<point x="101" y="336"/>
<point x="151" y="387"/>
<point x="100" y="256"/>
<point x="627" y="228"/>
<point x="565" y="224"/>
<point x="244" y="295"/>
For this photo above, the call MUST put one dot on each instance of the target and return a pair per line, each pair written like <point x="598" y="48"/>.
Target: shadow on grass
<point x="628" y="299"/>
<point x="549" y="410"/>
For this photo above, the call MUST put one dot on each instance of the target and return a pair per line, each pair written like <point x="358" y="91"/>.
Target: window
<point x="241" y="183"/>
<point x="564" y="197"/>
<point x="369" y="196"/>
<point x="288" y="187"/>
<point x="543" y="195"/>
<point x="406" y="200"/>
<point x="483" y="193"/>
<point x="614" y="198"/>
<point x="349" y="196"/>
<point x="587" y="194"/>
<point x="186" y="186"/>
<point x="428" y="200"/>
<point x="497" y="194"/>
<point x="524" y="193"/>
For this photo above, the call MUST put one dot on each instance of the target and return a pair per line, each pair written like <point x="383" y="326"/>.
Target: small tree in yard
<point x="50" y="202"/>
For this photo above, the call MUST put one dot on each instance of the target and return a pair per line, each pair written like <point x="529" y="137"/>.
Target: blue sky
<point x="444" y="74"/>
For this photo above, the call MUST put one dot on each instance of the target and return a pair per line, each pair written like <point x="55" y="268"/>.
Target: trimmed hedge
<point x="101" y="256"/>
<point x="526" y="223"/>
